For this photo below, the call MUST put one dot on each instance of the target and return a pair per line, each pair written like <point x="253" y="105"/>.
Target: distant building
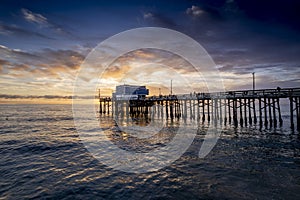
<point x="130" y="92"/>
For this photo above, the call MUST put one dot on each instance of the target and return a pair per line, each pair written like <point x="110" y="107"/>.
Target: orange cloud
<point x="115" y="71"/>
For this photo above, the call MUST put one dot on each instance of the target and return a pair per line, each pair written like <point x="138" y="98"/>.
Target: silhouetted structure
<point x="127" y="92"/>
<point x="234" y="107"/>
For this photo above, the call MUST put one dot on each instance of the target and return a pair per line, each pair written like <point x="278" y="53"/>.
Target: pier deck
<point x="235" y="107"/>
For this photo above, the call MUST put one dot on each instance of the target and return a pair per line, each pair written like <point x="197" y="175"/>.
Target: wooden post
<point x="221" y="116"/>
<point x="212" y="109"/>
<point x="100" y="107"/>
<point x="108" y="106"/>
<point x="245" y="111"/>
<point x="215" y="110"/>
<point x="171" y="110"/>
<point x="225" y="111"/>
<point x="122" y="109"/>
<point x="203" y="112"/>
<point x="175" y="108"/>
<point x="254" y="111"/>
<point x="249" y="106"/>
<point x="152" y="111"/>
<point x="127" y="109"/>
<point x="116" y="109"/>
<point x="104" y="110"/>
<point x="279" y="112"/>
<point x="198" y="109"/>
<point x="297" y="100"/>
<point x="167" y="112"/>
<point x="229" y="112"/>
<point x="194" y="108"/>
<point x="291" y="113"/>
<point x="260" y="111"/>
<point x="235" y="112"/>
<point x="156" y="107"/>
<point x="130" y="108"/>
<point x="274" y="112"/>
<point x="191" y="111"/>
<point x="270" y="112"/>
<point x="265" y="113"/>
<point x="185" y="108"/>
<point x="147" y="109"/>
<point x="241" y="113"/>
<point x="179" y="109"/>
<point x="112" y="106"/>
<point x="162" y="109"/>
<point x="208" y="112"/>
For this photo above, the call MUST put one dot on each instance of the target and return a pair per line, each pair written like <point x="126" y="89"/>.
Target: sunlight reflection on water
<point x="42" y="157"/>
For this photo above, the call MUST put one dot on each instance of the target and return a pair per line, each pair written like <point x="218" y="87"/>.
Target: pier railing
<point x="235" y="107"/>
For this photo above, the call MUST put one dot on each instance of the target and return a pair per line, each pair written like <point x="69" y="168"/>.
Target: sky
<point x="44" y="43"/>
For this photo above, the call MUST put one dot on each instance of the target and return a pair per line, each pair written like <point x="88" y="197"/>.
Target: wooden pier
<point x="232" y="107"/>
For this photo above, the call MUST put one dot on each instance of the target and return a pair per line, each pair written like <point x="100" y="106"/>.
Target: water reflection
<point x="45" y="159"/>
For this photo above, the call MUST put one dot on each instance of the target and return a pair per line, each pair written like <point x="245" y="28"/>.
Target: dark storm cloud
<point x="248" y="35"/>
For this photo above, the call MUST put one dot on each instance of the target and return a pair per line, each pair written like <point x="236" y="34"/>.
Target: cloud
<point x="20" y="32"/>
<point x="8" y="96"/>
<point x="1" y="69"/>
<point x="45" y="22"/>
<point x="13" y="54"/>
<point x="21" y="67"/>
<point x="149" y="65"/>
<point x="148" y="15"/>
<point x="34" y="17"/>
<point x="3" y="62"/>
<point x="68" y="58"/>
<point x="115" y="71"/>
<point x="47" y="62"/>
<point x="159" y="19"/>
<point x="194" y="11"/>
<point x="268" y="75"/>
<point x="235" y="63"/>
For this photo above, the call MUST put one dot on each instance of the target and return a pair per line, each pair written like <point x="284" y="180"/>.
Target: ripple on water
<point x="42" y="157"/>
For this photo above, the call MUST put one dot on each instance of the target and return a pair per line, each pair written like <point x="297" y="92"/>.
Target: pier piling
<point x="234" y="107"/>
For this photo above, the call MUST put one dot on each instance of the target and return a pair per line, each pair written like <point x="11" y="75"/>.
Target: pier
<point x="244" y="107"/>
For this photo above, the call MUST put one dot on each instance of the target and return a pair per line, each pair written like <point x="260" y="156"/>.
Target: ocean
<point x="43" y="157"/>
